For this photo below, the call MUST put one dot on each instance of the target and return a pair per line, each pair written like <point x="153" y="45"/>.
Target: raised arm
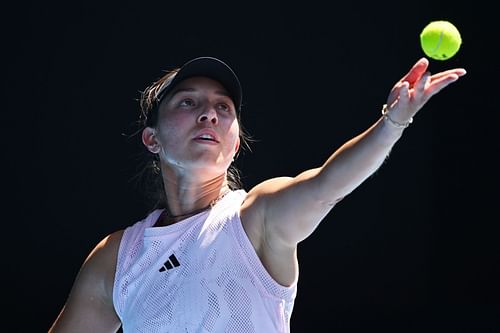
<point x="292" y="208"/>
<point x="89" y="307"/>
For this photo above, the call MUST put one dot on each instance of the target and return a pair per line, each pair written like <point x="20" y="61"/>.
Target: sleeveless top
<point x="201" y="274"/>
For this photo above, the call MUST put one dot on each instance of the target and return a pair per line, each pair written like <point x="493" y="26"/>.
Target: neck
<point x="188" y="197"/>
<point x="167" y="217"/>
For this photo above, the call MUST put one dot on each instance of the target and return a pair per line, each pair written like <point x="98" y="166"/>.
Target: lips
<point x="207" y="135"/>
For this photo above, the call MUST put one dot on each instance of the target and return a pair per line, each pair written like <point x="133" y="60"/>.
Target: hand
<point x="410" y="93"/>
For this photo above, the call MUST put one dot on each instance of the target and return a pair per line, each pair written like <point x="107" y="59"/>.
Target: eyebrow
<point x="181" y="90"/>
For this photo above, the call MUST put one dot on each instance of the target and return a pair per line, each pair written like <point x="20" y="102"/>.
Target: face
<point x="197" y="128"/>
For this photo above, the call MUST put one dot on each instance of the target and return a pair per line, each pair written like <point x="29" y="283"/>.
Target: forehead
<point x="200" y="83"/>
<point x="196" y="85"/>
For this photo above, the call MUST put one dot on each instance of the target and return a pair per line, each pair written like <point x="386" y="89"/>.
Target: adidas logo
<point x="170" y="263"/>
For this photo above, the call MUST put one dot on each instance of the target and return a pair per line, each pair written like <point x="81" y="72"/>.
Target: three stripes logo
<point x="170" y="263"/>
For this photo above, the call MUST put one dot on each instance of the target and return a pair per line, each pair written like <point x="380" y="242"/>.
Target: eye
<point x="223" y="107"/>
<point x="187" y="102"/>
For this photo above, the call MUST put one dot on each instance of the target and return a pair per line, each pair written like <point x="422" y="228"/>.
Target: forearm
<point x="357" y="159"/>
<point x="294" y="207"/>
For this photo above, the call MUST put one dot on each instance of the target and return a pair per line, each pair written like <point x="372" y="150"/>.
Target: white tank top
<point x="201" y="274"/>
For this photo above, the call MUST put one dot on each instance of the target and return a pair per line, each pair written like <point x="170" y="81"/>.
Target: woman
<point x="211" y="257"/>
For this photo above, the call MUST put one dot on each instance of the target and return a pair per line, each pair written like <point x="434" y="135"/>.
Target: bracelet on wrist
<point x="392" y="122"/>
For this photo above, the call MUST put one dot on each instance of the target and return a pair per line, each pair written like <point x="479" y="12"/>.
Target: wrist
<point x="391" y="121"/>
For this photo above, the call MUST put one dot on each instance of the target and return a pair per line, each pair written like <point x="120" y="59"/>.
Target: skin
<point x="277" y="214"/>
<point x="194" y="169"/>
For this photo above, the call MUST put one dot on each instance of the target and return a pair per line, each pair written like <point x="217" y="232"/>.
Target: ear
<point x="149" y="140"/>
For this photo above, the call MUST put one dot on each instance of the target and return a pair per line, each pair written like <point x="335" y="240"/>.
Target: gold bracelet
<point x="395" y="123"/>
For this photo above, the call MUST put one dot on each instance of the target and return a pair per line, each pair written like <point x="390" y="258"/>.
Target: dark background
<point x="414" y="249"/>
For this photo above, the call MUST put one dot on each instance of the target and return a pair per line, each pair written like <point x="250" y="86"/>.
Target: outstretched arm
<point x="291" y="208"/>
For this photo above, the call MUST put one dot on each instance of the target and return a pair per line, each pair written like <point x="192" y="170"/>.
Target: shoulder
<point x="107" y="247"/>
<point x="253" y="208"/>
<point x="105" y="252"/>
<point x="256" y="199"/>
<point x="89" y="307"/>
<point x="100" y="265"/>
<point x="258" y="194"/>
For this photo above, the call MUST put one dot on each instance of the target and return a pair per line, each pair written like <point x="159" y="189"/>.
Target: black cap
<point x="208" y="67"/>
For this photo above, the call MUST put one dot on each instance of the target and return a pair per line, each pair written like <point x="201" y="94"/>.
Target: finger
<point x="458" y="71"/>
<point x="404" y="93"/>
<point x="437" y="85"/>
<point x="416" y="71"/>
<point x="422" y="83"/>
<point x="395" y="92"/>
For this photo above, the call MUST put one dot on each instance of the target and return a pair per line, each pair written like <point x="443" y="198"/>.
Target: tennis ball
<point x="440" y="40"/>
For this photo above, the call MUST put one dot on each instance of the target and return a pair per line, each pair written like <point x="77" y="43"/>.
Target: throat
<point x="167" y="218"/>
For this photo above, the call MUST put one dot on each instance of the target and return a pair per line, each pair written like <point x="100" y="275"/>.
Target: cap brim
<point x="208" y="67"/>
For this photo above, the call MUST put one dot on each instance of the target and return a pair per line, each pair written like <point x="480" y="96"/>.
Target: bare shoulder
<point x="255" y="201"/>
<point x="107" y="248"/>
<point x="253" y="208"/>
<point x="101" y="262"/>
<point x="89" y="307"/>
<point x="256" y="197"/>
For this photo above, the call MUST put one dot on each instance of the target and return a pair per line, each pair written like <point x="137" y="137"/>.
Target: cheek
<point x="235" y="135"/>
<point x="171" y="131"/>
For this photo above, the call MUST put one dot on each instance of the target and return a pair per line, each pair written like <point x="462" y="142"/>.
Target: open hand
<point x="410" y="93"/>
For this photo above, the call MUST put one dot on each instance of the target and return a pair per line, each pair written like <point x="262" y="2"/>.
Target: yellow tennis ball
<point x="440" y="40"/>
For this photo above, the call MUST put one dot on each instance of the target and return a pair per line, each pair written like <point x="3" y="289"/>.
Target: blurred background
<point x="414" y="249"/>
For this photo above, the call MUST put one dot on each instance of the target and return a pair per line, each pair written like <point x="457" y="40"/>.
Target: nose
<point x="208" y="114"/>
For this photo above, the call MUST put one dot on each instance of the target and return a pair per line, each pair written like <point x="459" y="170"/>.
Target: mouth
<point x="206" y="138"/>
